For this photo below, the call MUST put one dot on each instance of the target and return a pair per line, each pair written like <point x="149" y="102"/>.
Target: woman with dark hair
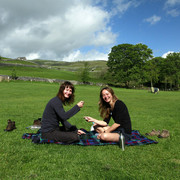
<point x="54" y="114"/>
<point x="111" y="106"/>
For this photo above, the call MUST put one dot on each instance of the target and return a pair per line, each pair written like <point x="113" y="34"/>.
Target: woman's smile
<point x="106" y="96"/>
<point x="67" y="92"/>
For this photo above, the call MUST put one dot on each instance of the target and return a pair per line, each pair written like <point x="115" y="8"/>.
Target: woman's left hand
<point x="99" y="136"/>
<point x="89" y="119"/>
<point x="79" y="132"/>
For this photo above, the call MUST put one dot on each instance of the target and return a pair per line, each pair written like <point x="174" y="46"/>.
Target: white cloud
<point x="173" y="12"/>
<point x="165" y="54"/>
<point x="32" y="56"/>
<point x="103" y="38"/>
<point x="54" y="30"/>
<point x="171" y="7"/>
<point x="153" y="19"/>
<point x="90" y="55"/>
<point x="121" y="6"/>
<point x="73" y="56"/>
<point x="172" y="2"/>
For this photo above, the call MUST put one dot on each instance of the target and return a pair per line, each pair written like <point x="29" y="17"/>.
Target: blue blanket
<point x="90" y="139"/>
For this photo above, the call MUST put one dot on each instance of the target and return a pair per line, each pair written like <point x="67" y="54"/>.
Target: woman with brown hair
<point x="111" y="106"/>
<point x="54" y="114"/>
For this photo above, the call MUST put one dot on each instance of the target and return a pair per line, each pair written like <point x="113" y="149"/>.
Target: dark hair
<point x="104" y="107"/>
<point x="60" y="94"/>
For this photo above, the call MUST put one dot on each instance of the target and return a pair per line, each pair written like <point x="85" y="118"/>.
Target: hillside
<point x="52" y="69"/>
<point x="71" y="66"/>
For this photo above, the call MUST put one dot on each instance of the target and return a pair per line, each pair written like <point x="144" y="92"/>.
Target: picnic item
<point x="10" y="126"/>
<point x="164" y="134"/>
<point x="36" y="124"/>
<point x="153" y="133"/>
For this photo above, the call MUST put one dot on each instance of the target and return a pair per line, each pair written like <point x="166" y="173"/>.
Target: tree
<point x="126" y="62"/>
<point x="85" y="73"/>
<point x="173" y="69"/>
<point x="153" y="67"/>
<point x="13" y="74"/>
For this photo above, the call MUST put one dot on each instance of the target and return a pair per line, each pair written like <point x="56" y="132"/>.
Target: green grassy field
<point x="23" y="102"/>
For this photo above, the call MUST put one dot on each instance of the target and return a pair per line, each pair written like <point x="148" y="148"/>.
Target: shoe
<point x="164" y="134"/>
<point x="13" y="125"/>
<point x="37" y="122"/>
<point x="153" y="133"/>
<point x="122" y="141"/>
<point x="9" y="126"/>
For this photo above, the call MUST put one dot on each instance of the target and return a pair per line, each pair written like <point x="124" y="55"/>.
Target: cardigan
<point x="54" y="114"/>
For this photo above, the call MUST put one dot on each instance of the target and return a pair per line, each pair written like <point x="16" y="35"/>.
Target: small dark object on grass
<point x="11" y="125"/>
<point x="164" y="134"/>
<point x="153" y="133"/>
<point x="37" y="122"/>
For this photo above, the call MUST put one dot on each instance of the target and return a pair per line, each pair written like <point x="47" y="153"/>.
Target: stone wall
<point x="8" y="78"/>
<point x="4" y="78"/>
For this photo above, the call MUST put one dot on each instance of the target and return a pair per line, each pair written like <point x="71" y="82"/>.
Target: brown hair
<point x="60" y="94"/>
<point x="104" y="107"/>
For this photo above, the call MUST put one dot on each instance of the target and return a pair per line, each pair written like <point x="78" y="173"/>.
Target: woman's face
<point x="67" y="92"/>
<point x="107" y="96"/>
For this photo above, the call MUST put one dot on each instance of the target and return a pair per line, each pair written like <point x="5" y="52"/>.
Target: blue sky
<point x="72" y="30"/>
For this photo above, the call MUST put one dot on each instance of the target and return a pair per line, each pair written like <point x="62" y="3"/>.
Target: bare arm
<point x="98" y="122"/>
<point x="112" y="128"/>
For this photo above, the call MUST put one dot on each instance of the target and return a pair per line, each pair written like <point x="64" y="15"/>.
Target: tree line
<point x="134" y="66"/>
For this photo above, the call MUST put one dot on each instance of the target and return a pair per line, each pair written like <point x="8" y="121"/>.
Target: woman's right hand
<point x="97" y="122"/>
<point x="80" y="104"/>
<point x="89" y="119"/>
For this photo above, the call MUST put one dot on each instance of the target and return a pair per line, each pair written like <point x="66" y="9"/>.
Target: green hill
<point x="52" y="69"/>
<point x="72" y="66"/>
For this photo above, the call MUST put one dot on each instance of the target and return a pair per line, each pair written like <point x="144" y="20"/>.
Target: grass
<point x="74" y="66"/>
<point x="17" y="62"/>
<point x="39" y="72"/>
<point x="47" y="73"/>
<point x="23" y="102"/>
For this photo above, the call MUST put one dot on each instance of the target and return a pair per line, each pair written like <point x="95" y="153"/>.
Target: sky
<point x="75" y="30"/>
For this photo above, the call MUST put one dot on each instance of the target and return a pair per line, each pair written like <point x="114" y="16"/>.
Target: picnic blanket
<point x="90" y="139"/>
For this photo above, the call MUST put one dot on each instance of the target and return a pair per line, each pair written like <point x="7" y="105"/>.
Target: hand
<point x="88" y="119"/>
<point x="80" y="104"/>
<point x="99" y="136"/>
<point x="79" y="132"/>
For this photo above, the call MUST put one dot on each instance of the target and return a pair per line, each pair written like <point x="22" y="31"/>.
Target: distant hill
<point x="96" y="66"/>
<point x="72" y="66"/>
<point x="52" y="69"/>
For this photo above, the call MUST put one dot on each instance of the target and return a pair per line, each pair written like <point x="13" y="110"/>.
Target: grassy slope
<point x="20" y="159"/>
<point x="57" y="70"/>
<point x="10" y="61"/>
<point x="95" y="65"/>
<point x="39" y="72"/>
